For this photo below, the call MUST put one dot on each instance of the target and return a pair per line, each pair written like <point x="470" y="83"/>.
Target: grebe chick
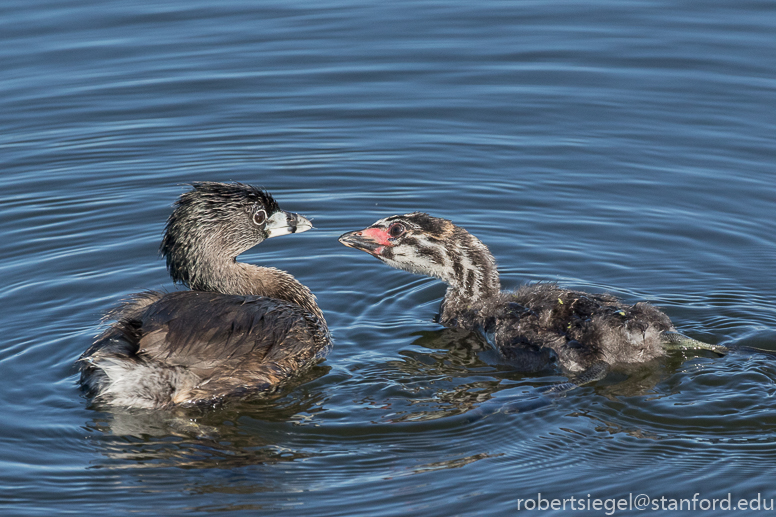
<point x="240" y="330"/>
<point x="536" y="325"/>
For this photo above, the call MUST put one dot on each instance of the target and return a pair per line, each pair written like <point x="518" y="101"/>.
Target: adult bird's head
<point x="216" y="222"/>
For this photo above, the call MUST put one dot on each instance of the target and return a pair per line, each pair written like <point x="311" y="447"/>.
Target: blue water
<point x="612" y="146"/>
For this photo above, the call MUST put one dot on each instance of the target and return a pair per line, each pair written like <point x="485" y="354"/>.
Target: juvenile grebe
<point x="534" y="326"/>
<point x="240" y="330"/>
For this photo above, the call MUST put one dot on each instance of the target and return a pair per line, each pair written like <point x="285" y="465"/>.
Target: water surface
<point x="611" y="146"/>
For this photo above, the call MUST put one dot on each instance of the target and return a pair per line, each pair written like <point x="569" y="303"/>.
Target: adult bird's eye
<point x="259" y="217"/>
<point x="396" y="230"/>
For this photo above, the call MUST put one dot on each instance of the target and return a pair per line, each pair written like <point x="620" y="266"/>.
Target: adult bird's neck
<point x="228" y="276"/>
<point x="275" y="283"/>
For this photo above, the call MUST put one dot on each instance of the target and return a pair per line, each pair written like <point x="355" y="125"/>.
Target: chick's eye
<point x="259" y="217"/>
<point x="396" y="230"/>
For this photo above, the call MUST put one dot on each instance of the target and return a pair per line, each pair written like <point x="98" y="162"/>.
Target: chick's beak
<point x="370" y="240"/>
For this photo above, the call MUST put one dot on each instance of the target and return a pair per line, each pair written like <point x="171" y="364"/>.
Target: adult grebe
<point x="240" y="330"/>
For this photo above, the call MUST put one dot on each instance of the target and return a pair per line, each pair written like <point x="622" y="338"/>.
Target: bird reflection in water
<point x="249" y="432"/>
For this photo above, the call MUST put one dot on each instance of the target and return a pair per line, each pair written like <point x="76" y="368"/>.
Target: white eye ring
<point x="260" y="217"/>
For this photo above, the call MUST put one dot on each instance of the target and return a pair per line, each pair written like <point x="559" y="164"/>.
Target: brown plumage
<point x="534" y="326"/>
<point x="240" y="330"/>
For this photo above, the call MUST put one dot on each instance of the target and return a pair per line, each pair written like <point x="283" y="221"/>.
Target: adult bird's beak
<point x="283" y="223"/>
<point x="370" y="240"/>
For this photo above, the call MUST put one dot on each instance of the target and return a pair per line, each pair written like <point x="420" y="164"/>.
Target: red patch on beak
<point x="377" y="235"/>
